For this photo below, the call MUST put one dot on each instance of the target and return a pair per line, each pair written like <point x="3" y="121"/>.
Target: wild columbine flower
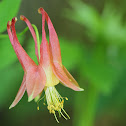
<point x="49" y="71"/>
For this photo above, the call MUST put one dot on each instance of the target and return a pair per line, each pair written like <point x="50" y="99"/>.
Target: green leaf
<point x="8" y="9"/>
<point x="7" y="54"/>
<point x="108" y="27"/>
<point x="71" y="53"/>
<point x="114" y="30"/>
<point x="84" y="15"/>
<point x="100" y="68"/>
<point x="10" y="82"/>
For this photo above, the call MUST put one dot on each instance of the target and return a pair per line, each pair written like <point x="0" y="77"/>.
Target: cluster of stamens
<point x="56" y="107"/>
<point x="55" y="102"/>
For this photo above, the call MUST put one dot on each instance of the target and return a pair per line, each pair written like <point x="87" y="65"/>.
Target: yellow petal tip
<point x="37" y="98"/>
<point x="15" y="19"/>
<point x="30" y="98"/>
<point x="39" y="10"/>
<point x="21" y="17"/>
<point x="81" y="89"/>
<point x="9" y="23"/>
<point x="10" y="107"/>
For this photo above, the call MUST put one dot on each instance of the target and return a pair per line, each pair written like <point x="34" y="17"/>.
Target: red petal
<point x="70" y="77"/>
<point x="45" y="59"/>
<point x="20" y="93"/>
<point x="32" y="32"/>
<point x="53" y="39"/>
<point x="23" y="57"/>
<point x="65" y="77"/>
<point x="9" y="32"/>
<point x="35" y="81"/>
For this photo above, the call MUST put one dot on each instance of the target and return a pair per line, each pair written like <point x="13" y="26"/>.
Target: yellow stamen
<point x="44" y="103"/>
<point x="56" y="118"/>
<point x="37" y="107"/>
<point x="55" y="102"/>
<point x="66" y="98"/>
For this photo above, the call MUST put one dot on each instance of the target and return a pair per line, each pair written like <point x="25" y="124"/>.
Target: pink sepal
<point x="35" y="81"/>
<point x="45" y="59"/>
<point x="23" y="57"/>
<point x="20" y="92"/>
<point x="70" y="77"/>
<point x="65" y="77"/>
<point x="32" y="32"/>
<point x="53" y="39"/>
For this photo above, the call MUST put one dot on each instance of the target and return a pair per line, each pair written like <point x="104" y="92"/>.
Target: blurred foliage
<point x="104" y="60"/>
<point x="8" y="82"/>
<point x="98" y="62"/>
<point x="8" y="9"/>
<point x="101" y="63"/>
<point x="107" y="27"/>
<point x="7" y="54"/>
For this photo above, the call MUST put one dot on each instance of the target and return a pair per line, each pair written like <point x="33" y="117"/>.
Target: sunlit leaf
<point x="108" y="27"/>
<point x="8" y="9"/>
<point x="10" y="78"/>
<point x="101" y="69"/>
<point x="7" y="54"/>
<point x="84" y="15"/>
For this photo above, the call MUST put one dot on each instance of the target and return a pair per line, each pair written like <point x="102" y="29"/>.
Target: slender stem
<point x="19" y="34"/>
<point x="38" y="41"/>
<point x="86" y="109"/>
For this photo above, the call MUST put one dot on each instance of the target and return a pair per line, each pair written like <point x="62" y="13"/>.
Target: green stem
<point x="86" y="108"/>
<point x="19" y="34"/>
<point x="38" y="42"/>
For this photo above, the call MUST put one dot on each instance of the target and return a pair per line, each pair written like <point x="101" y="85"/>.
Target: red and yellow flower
<point x="49" y="71"/>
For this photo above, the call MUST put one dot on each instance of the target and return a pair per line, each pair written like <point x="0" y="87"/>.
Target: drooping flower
<point x="49" y="71"/>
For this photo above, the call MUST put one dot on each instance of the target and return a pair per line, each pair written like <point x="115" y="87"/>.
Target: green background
<point x="92" y="36"/>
